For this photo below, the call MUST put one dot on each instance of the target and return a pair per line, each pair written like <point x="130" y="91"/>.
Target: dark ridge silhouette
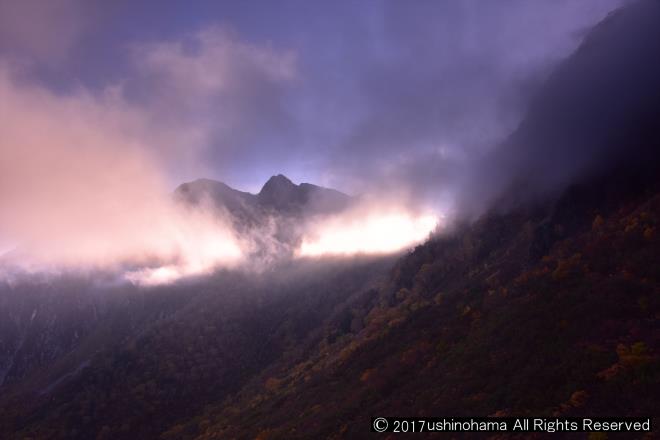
<point x="277" y="212"/>
<point x="278" y="195"/>
<point x="597" y="111"/>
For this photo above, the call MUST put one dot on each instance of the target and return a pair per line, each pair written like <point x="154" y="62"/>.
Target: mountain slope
<point x="544" y="306"/>
<point x="599" y="108"/>
<point x="474" y="323"/>
<point x="274" y="217"/>
<point x="278" y="196"/>
<point x="234" y="327"/>
<point x="548" y="307"/>
<point x="45" y="319"/>
<point x="242" y="205"/>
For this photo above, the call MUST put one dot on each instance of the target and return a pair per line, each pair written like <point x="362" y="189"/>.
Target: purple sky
<point x="349" y="94"/>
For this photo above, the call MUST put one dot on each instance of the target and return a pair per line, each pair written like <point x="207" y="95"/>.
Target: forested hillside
<point x="528" y="313"/>
<point x="539" y="297"/>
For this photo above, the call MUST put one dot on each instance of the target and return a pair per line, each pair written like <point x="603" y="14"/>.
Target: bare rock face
<point x="279" y="195"/>
<point x="280" y="208"/>
<point x="283" y="195"/>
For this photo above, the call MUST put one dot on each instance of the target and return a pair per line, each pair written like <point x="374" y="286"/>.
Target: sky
<point x="106" y="107"/>
<point x="353" y="95"/>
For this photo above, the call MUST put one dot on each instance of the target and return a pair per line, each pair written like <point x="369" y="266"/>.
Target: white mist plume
<point x="83" y="180"/>
<point x="84" y="176"/>
<point x="80" y="188"/>
<point x="367" y="229"/>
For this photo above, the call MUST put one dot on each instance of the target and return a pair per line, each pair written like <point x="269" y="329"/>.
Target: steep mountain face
<point x="45" y="320"/>
<point x="243" y="206"/>
<point x="550" y="307"/>
<point x="32" y="337"/>
<point x="278" y="212"/>
<point x="53" y="323"/>
<point x="42" y="321"/>
<point x="597" y="110"/>
<point x="477" y="323"/>
<point x="201" y="343"/>
<point x="279" y="196"/>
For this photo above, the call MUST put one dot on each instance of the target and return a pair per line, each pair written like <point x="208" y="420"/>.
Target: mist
<point x="428" y="121"/>
<point x="277" y="219"/>
<point x="80" y="187"/>
<point x="594" y="113"/>
<point x="83" y="189"/>
<point x="87" y="174"/>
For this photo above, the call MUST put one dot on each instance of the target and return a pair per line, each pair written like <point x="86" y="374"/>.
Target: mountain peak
<point x="280" y="192"/>
<point x="278" y="181"/>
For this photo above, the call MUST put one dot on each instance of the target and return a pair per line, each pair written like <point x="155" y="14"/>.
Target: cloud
<point x="224" y="95"/>
<point x="340" y="94"/>
<point x="440" y="83"/>
<point x="84" y="181"/>
<point x="597" y="112"/>
<point x="84" y="178"/>
<point x="80" y="187"/>
<point x="404" y="102"/>
<point x="42" y="30"/>
<point x="367" y="228"/>
<point x="212" y="61"/>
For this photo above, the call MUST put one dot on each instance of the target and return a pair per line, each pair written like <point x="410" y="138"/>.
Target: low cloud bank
<point x="86" y="176"/>
<point x="82" y="188"/>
